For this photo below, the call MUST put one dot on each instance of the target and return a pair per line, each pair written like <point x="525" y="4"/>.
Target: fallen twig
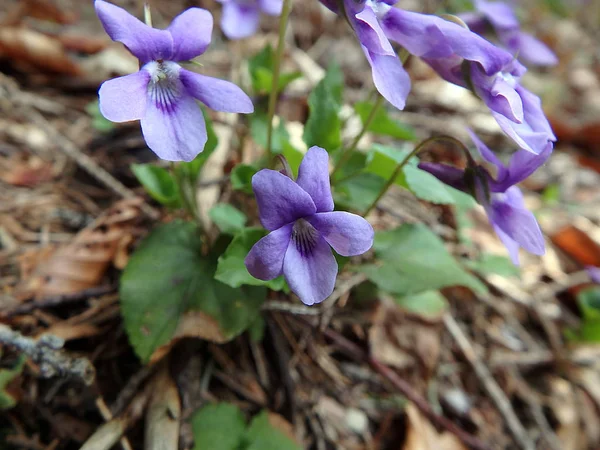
<point x="406" y="389"/>
<point x="163" y="415"/>
<point x="489" y="384"/>
<point x="45" y="351"/>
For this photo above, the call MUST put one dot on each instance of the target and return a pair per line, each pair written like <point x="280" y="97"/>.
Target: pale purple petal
<point x="280" y="200"/>
<point x="510" y="244"/>
<point x="123" y="99"/>
<point x="217" y="94"/>
<point x="370" y="34"/>
<point x="500" y="14"/>
<point x="449" y="175"/>
<point x="265" y="259"/>
<point x="523" y="135"/>
<point x="534" y="114"/>
<point x="521" y="165"/>
<point x="146" y="43"/>
<point x="508" y="212"/>
<point x="310" y="276"/>
<point x="499" y="94"/>
<point x="191" y="31"/>
<point x="238" y="21"/>
<point x="177" y="131"/>
<point x="348" y="234"/>
<point x="432" y="37"/>
<point x="528" y="48"/>
<point x="271" y="7"/>
<point x="594" y="273"/>
<point x="389" y="77"/>
<point x="313" y="177"/>
<point x="487" y="154"/>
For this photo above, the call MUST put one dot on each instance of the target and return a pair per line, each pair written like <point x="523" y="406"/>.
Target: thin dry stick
<point x="88" y="164"/>
<point x="405" y="389"/>
<point x="46" y="352"/>
<point x="492" y="388"/>
<point x="107" y="416"/>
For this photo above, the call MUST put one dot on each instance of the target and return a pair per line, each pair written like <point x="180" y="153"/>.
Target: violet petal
<point x="280" y="200"/>
<point x="348" y="234"/>
<point x="217" y="94"/>
<point x="310" y="276"/>
<point x="313" y="177"/>
<point x="123" y="99"/>
<point x="265" y="259"/>
<point x="191" y="31"/>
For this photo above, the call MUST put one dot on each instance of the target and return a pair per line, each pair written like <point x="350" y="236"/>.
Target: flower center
<point x="509" y="78"/>
<point x="304" y="236"/>
<point x="164" y="87"/>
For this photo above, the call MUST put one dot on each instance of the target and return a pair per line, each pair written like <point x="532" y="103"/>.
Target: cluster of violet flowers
<point x="299" y="213"/>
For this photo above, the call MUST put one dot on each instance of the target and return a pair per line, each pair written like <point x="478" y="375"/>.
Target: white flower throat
<point x="164" y="87"/>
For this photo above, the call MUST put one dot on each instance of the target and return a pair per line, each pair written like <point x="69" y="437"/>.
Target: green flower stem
<point x="147" y="15"/>
<point x="405" y="161"/>
<point x="285" y="15"/>
<point x="187" y="192"/>
<point x="348" y="151"/>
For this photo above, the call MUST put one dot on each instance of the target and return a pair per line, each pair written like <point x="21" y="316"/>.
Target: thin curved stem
<point x="405" y="161"/>
<point x="346" y="153"/>
<point x="285" y="14"/>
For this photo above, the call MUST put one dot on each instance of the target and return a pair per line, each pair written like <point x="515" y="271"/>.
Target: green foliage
<point x="261" y="72"/>
<point x="358" y="192"/>
<point x="589" y="304"/>
<point x="493" y="264"/>
<point x="222" y="426"/>
<point x="241" y="177"/>
<point x="429" y="304"/>
<point x="159" y="184"/>
<point x="382" y="123"/>
<point x="99" y="122"/>
<point x="7" y="401"/>
<point x="382" y="161"/>
<point x="324" y="126"/>
<point x="228" y="218"/>
<point x="412" y="260"/>
<point x="168" y="276"/>
<point x="258" y="130"/>
<point x="231" y="269"/>
<point x="551" y="195"/>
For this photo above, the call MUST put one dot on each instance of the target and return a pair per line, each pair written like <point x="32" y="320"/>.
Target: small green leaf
<point x="261" y="435"/>
<point x="261" y="72"/>
<point x="493" y="264"/>
<point x="168" y="276"/>
<point x="589" y="302"/>
<point x="228" y="218"/>
<point x="219" y="426"/>
<point x="99" y="122"/>
<point x="429" y="304"/>
<point x="383" y="124"/>
<point x="357" y="193"/>
<point x="159" y="183"/>
<point x="324" y="127"/>
<point x="191" y="169"/>
<point x="294" y="157"/>
<point x="241" y="177"/>
<point x="258" y="130"/>
<point x="413" y="260"/>
<point x="7" y="401"/>
<point x="383" y="160"/>
<point x="231" y="269"/>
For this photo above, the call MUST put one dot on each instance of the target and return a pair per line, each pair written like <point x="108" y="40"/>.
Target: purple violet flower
<point x="162" y="94"/>
<point x="241" y="17"/>
<point x="594" y="273"/>
<point x="303" y="226"/>
<point x="457" y="54"/>
<point x="501" y="16"/>
<point x="501" y="198"/>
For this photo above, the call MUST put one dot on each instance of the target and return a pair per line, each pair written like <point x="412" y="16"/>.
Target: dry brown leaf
<point x="578" y="245"/>
<point x="279" y="423"/>
<point x="82" y="263"/>
<point x="421" y="435"/>
<point x="397" y="341"/>
<point x="194" y="324"/>
<point x="25" y="172"/>
<point x="69" y="331"/>
<point x="23" y="46"/>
